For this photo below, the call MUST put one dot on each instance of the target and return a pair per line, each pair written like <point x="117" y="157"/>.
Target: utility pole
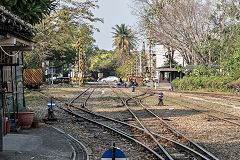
<point x="140" y="64"/>
<point x="170" y="57"/>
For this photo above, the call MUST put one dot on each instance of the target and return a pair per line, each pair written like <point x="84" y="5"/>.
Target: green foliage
<point x="231" y="65"/>
<point x="58" y="32"/>
<point x="203" y="77"/>
<point x="205" y="70"/>
<point x="211" y="83"/>
<point x="167" y="62"/>
<point x="31" y="11"/>
<point x="106" y="62"/>
<point x="124" y="40"/>
<point x="122" y="70"/>
<point x="222" y="78"/>
<point x="103" y="61"/>
<point x="124" y="35"/>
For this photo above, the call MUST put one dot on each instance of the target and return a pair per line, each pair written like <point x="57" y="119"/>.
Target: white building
<point x="167" y="72"/>
<point x="161" y="52"/>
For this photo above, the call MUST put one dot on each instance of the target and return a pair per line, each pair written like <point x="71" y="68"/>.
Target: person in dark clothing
<point x="131" y="81"/>
<point x="125" y="84"/>
<point x="121" y="81"/>
<point x="135" y="83"/>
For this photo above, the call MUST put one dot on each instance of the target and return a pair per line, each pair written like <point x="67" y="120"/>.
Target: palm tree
<point x="124" y="39"/>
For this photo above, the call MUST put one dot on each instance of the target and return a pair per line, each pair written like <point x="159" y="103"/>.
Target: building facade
<point x="165" y="70"/>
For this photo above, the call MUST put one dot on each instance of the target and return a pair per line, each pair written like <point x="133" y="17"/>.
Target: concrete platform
<point x="45" y="143"/>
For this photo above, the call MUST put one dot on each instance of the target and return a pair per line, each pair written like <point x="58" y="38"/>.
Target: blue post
<point x="171" y="86"/>
<point x="160" y="99"/>
<point x="125" y="84"/>
<point x="133" y="88"/>
<point x="51" y="115"/>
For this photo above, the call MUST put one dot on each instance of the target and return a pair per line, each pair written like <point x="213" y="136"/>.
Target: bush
<point x="213" y="83"/>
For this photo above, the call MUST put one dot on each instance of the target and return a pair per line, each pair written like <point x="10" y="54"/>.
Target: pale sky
<point x="113" y="12"/>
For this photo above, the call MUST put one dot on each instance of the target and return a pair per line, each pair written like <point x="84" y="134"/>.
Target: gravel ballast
<point x="220" y="138"/>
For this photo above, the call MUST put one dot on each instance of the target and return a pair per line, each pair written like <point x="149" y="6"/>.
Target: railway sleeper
<point x="128" y="119"/>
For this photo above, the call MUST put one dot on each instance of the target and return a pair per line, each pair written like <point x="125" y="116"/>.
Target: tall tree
<point x="225" y="20"/>
<point x="58" y="32"/>
<point x="124" y="39"/>
<point x="186" y="26"/>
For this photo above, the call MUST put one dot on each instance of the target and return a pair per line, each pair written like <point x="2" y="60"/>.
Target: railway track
<point x="221" y="115"/>
<point x="232" y="97"/>
<point x="224" y="116"/>
<point x="131" y="102"/>
<point x="136" y="137"/>
<point x="80" y="151"/>
<point x="178" y="135"/>
<point x="86" y="115"/>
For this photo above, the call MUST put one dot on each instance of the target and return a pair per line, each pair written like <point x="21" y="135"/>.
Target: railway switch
<point x="160" y="99"/>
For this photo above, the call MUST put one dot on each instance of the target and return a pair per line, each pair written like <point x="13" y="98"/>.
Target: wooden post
<point x="113" y="152"/>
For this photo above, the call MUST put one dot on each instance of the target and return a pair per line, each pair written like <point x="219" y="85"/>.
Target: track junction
<point x="118" y="115"/>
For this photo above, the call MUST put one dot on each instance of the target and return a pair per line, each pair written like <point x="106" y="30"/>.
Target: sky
<point x="113" y="12"/>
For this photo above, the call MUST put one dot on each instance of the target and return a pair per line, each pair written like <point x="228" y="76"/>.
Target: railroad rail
<point x="234" y="97"/>
<point x="216" y="95"/>
<point x="126" y="124"/>
<point x="80" y="151"/>
<point x="224" y="116"/>
<point x="209" y="94"/>
<point x="141" y="129"/>
<point x="213" y="113"/>
<point x="96" y="121"/>
<point x="173" y="130"/>
<point x="123" y="133"/>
